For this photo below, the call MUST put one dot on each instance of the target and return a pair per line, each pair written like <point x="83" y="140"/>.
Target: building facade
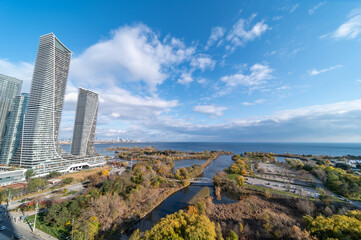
<point x="85" y="123"/>
<point x="8" y="175"/>
<point x="13" y="129"/>
<point x="40" y="150"/>
<point x="9" y="88"/>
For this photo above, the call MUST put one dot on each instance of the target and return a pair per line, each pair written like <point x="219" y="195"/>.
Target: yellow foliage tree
<point x="347" y="226"/>
<point x="105" y="172"/>
<point x="243" y="172"/>
<point x="183" y="225"/>
<point x="240" y="181"/>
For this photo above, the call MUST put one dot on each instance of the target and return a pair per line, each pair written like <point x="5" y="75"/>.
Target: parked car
<point x="19" y="236"/>
<point x="2" y="228"/>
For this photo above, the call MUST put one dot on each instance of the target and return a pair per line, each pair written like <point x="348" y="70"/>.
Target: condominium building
<point x="39" y="149"/>
<point x="9" y="88"/>
<point x="13" y="129"/>
<point x="85" y="123"/>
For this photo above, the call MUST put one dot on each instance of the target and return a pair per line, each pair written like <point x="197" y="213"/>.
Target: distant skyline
<point x="267" y="71"/>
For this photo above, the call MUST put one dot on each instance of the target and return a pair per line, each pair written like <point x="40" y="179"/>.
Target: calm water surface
<point x="332" y="149"/>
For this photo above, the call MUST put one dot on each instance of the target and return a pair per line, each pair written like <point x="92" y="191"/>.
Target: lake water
<point x="331" y="149"/>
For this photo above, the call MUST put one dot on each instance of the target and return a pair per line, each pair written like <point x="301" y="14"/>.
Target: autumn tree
<point x="183" y="225"/>
<point x="240" y="181"/>
<point x="347" y="226"/>
<point x="105" y="172"/>
<point x="232" y="236"/>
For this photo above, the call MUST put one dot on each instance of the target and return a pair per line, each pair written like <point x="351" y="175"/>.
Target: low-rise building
<point x="10" y="175"/>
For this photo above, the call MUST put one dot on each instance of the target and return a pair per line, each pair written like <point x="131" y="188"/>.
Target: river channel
<point x="180" y="199"/>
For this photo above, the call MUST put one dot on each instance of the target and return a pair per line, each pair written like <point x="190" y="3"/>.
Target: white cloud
<point x="259" y="74"/>
<point x="259" y="101"/>
<point x="276" y="18"/>
<point x="312" y="10"/>
<point x="71" y="97"/>
<point x="121" y="104"/>
<point x="203" y="62"/>
<point x="242" y="31"/>
<point x="293" y="8"/>
<point x="20" y="70"/>
<point x="216" y="34"/>
<point x="211" y="110"/>
<point x="202" y="81"/>
<point x="185" y="78"/>
<point x="315" y="72"/>
<point x="350" y="29"/>
<point x="132" y="54"/>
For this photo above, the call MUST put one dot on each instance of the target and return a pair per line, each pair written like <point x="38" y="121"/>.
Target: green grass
<point x="57" y="232"/>
<point x="69" y="193"/>
<point x="233" y="176"/>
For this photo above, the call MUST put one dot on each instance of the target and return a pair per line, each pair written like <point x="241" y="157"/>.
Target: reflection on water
<point x="180" y="199"/>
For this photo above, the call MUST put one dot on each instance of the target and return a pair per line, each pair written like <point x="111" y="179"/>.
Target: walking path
<point x="13" y="227"/>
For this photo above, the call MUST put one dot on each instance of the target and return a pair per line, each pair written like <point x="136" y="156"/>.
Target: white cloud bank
<point x="337" y="122"/>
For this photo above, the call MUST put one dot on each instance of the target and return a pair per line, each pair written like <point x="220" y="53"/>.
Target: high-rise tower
<point x="85" y="122"/>
<point x="41" y="126"/>
<point x="39" y="148"/>
<point x="9" y="88"/>
<point x="13" y="129"/>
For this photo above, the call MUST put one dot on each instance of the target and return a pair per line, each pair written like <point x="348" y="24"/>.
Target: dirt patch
<point x="83" y="175"/>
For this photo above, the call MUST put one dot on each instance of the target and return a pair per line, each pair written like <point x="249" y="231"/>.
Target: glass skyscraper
<point x="9" y="88"/>
<point x="85" y="123"/>
<point x="39" y="149"/>
<point x="13" y="129"/>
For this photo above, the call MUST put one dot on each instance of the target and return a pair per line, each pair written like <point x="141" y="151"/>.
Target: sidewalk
<point x="26" y="227"/>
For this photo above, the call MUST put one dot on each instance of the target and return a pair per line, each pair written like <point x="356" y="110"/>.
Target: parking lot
<point x="287" y="187"/>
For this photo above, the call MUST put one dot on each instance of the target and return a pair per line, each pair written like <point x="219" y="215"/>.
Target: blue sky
<point x="201" y="70"/>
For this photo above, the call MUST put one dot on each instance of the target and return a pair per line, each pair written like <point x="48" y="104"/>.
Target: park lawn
<point x="82" y="175"/>
<point x="233" y="176"/>
<point x="58" y="232"/>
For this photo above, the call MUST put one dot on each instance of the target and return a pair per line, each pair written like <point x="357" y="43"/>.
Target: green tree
<point x="29" y="174"/>
<point x="54" y="174"/>
<point x="36" y="184"/>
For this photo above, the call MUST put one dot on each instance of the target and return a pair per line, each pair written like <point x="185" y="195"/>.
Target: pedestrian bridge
<point x="201" y="181"/>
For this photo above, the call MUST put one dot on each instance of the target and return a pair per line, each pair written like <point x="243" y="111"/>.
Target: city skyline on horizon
<point x="253" y="73"/>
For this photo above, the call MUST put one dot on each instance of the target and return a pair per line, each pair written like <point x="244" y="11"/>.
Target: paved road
<point x="47" y="195"/>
